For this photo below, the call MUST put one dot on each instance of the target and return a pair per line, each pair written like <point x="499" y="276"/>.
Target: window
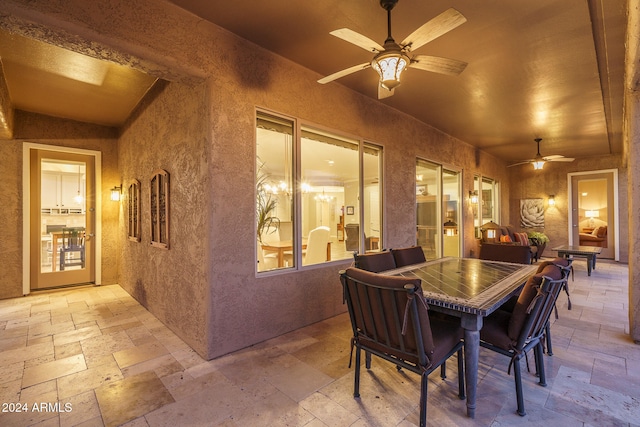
<point x="159" y="205"/>
<point x="437" y="210"/>
<point x="487" y="209"/>
<point x="133" y="210"/>
<point x="274" y="192"/>
<point x="328" y="208"/>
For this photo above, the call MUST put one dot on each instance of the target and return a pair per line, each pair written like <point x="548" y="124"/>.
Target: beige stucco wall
<point x="170" y="131"/>
<point x="527" y="183"/>
<point x="46" y="130"/>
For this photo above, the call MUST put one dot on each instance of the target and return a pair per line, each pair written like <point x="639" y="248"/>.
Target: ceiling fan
<point x="539" y="161"/>
<point x="393" y="58"/>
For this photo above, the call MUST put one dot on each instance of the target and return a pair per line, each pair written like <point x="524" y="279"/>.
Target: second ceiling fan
<point x="393" y="58"/>
<point x="539" y="161"/>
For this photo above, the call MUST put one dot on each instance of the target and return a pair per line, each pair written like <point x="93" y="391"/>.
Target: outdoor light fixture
<point x="538" y="164"/>
<point x="390" y="64"/>
<point x="473" y="196"/>
<point x="115" y="193"/>
<point x="552" y="200"/>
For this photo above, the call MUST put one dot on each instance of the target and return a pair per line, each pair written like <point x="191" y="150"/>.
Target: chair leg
<point x="443" y="370"/>
<point x="423" y="399"/>
<point x="367" y="360"/>
<point x="547" y="334"/>
<point x="539" y="352"/>
<point x="518" y="379"/>
<point x="461" y="391"/>
<point x="356" y="384"/>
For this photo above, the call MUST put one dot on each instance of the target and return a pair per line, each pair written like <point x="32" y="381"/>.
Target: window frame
<point x="299" y="128"/>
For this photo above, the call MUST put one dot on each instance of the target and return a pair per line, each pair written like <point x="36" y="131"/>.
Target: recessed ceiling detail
<point x="47" y="79"/>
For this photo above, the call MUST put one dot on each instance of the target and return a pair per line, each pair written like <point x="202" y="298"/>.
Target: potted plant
<point x="540" y="240"/>
<point x="265" y="206"/>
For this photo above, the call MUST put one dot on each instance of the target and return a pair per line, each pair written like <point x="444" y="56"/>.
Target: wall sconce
<point x="115" y="193"/>
<point x="552" y="200"/>
<point x="473" y="196"/>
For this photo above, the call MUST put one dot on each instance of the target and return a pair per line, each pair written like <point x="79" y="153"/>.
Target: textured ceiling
<point x="547" y="68"/>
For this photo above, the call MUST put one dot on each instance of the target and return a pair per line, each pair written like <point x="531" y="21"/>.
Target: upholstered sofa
<point x="596" y="238"/>
<point x="504" y="243"/>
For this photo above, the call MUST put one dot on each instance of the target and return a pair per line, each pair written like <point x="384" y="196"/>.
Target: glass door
<point x="593" y="212"/>
<point x="62" y="219"/>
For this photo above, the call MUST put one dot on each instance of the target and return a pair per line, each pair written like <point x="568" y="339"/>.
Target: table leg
<point x="472" y="325"/>
<point x="280" y="257"/>
<point x="594" y="261"/>
<point x="590" y="262"/>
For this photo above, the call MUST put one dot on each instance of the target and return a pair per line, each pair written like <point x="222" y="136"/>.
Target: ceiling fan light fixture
<point x="538" y="164"/>
<point x="390" y="65"/>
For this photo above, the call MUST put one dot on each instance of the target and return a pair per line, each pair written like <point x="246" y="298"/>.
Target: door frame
<point x="26" y="208"/>
<point x="616" y="213"/>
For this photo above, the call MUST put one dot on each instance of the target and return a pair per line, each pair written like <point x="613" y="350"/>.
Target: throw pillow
<point x="522" y="239"/>
<point x="595" y="231"/>
<point x="505" y="239"/>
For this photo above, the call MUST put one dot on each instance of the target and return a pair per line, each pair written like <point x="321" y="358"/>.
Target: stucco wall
<point x="169" y="131"/>
<point x="46" y="130"/>
<point x="527" y="183"/>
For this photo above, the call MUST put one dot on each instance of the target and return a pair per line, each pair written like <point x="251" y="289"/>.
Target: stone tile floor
<point x="92" y="356"/>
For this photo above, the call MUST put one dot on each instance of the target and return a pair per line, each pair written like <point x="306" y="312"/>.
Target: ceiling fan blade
<point x="344" y="72"/>
<point x="383" y="92"/>
<point x="559" y="159"/>
<point x="524" y="162"/>
<point x="434" y="28"/>
<point x="435" y="64"/>
<point x="357" y="39"/>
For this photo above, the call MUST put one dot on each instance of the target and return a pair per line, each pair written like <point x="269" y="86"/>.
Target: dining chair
<point x="72" y="248"/>
<point x="514" y="333"/>
<point x="375" y="261"/>
<point x="408" y="256"/>
<point x="390" y="320"/>
<point x="565" y="268"/>
<point x="317" y="241"/>
<point x="352" y="238"/>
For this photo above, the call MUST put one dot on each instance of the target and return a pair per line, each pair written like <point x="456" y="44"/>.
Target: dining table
<point x="280" y="247"/>
<point x="470" y="289"/>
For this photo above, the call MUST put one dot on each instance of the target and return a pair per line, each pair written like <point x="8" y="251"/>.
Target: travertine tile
<point x="302" y="377"/>
<point x="147" y="351"/>
<point x="127" y="399"/>
<point x="51" y="370"/>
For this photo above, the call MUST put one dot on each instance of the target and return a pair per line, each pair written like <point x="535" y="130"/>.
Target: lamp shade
<point x="592" y="214"/>
<point x="390" y="64"/>
<point x="538" y="164"/>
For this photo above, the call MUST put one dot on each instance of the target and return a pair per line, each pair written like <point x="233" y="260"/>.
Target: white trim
<point x="616" y="209"/>
<point x="26" y="212"/>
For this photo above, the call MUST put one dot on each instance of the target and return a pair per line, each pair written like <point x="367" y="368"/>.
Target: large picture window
<point x="318" y="195"/>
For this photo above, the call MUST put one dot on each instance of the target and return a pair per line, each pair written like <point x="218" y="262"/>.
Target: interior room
<point x="183" y="188"/>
